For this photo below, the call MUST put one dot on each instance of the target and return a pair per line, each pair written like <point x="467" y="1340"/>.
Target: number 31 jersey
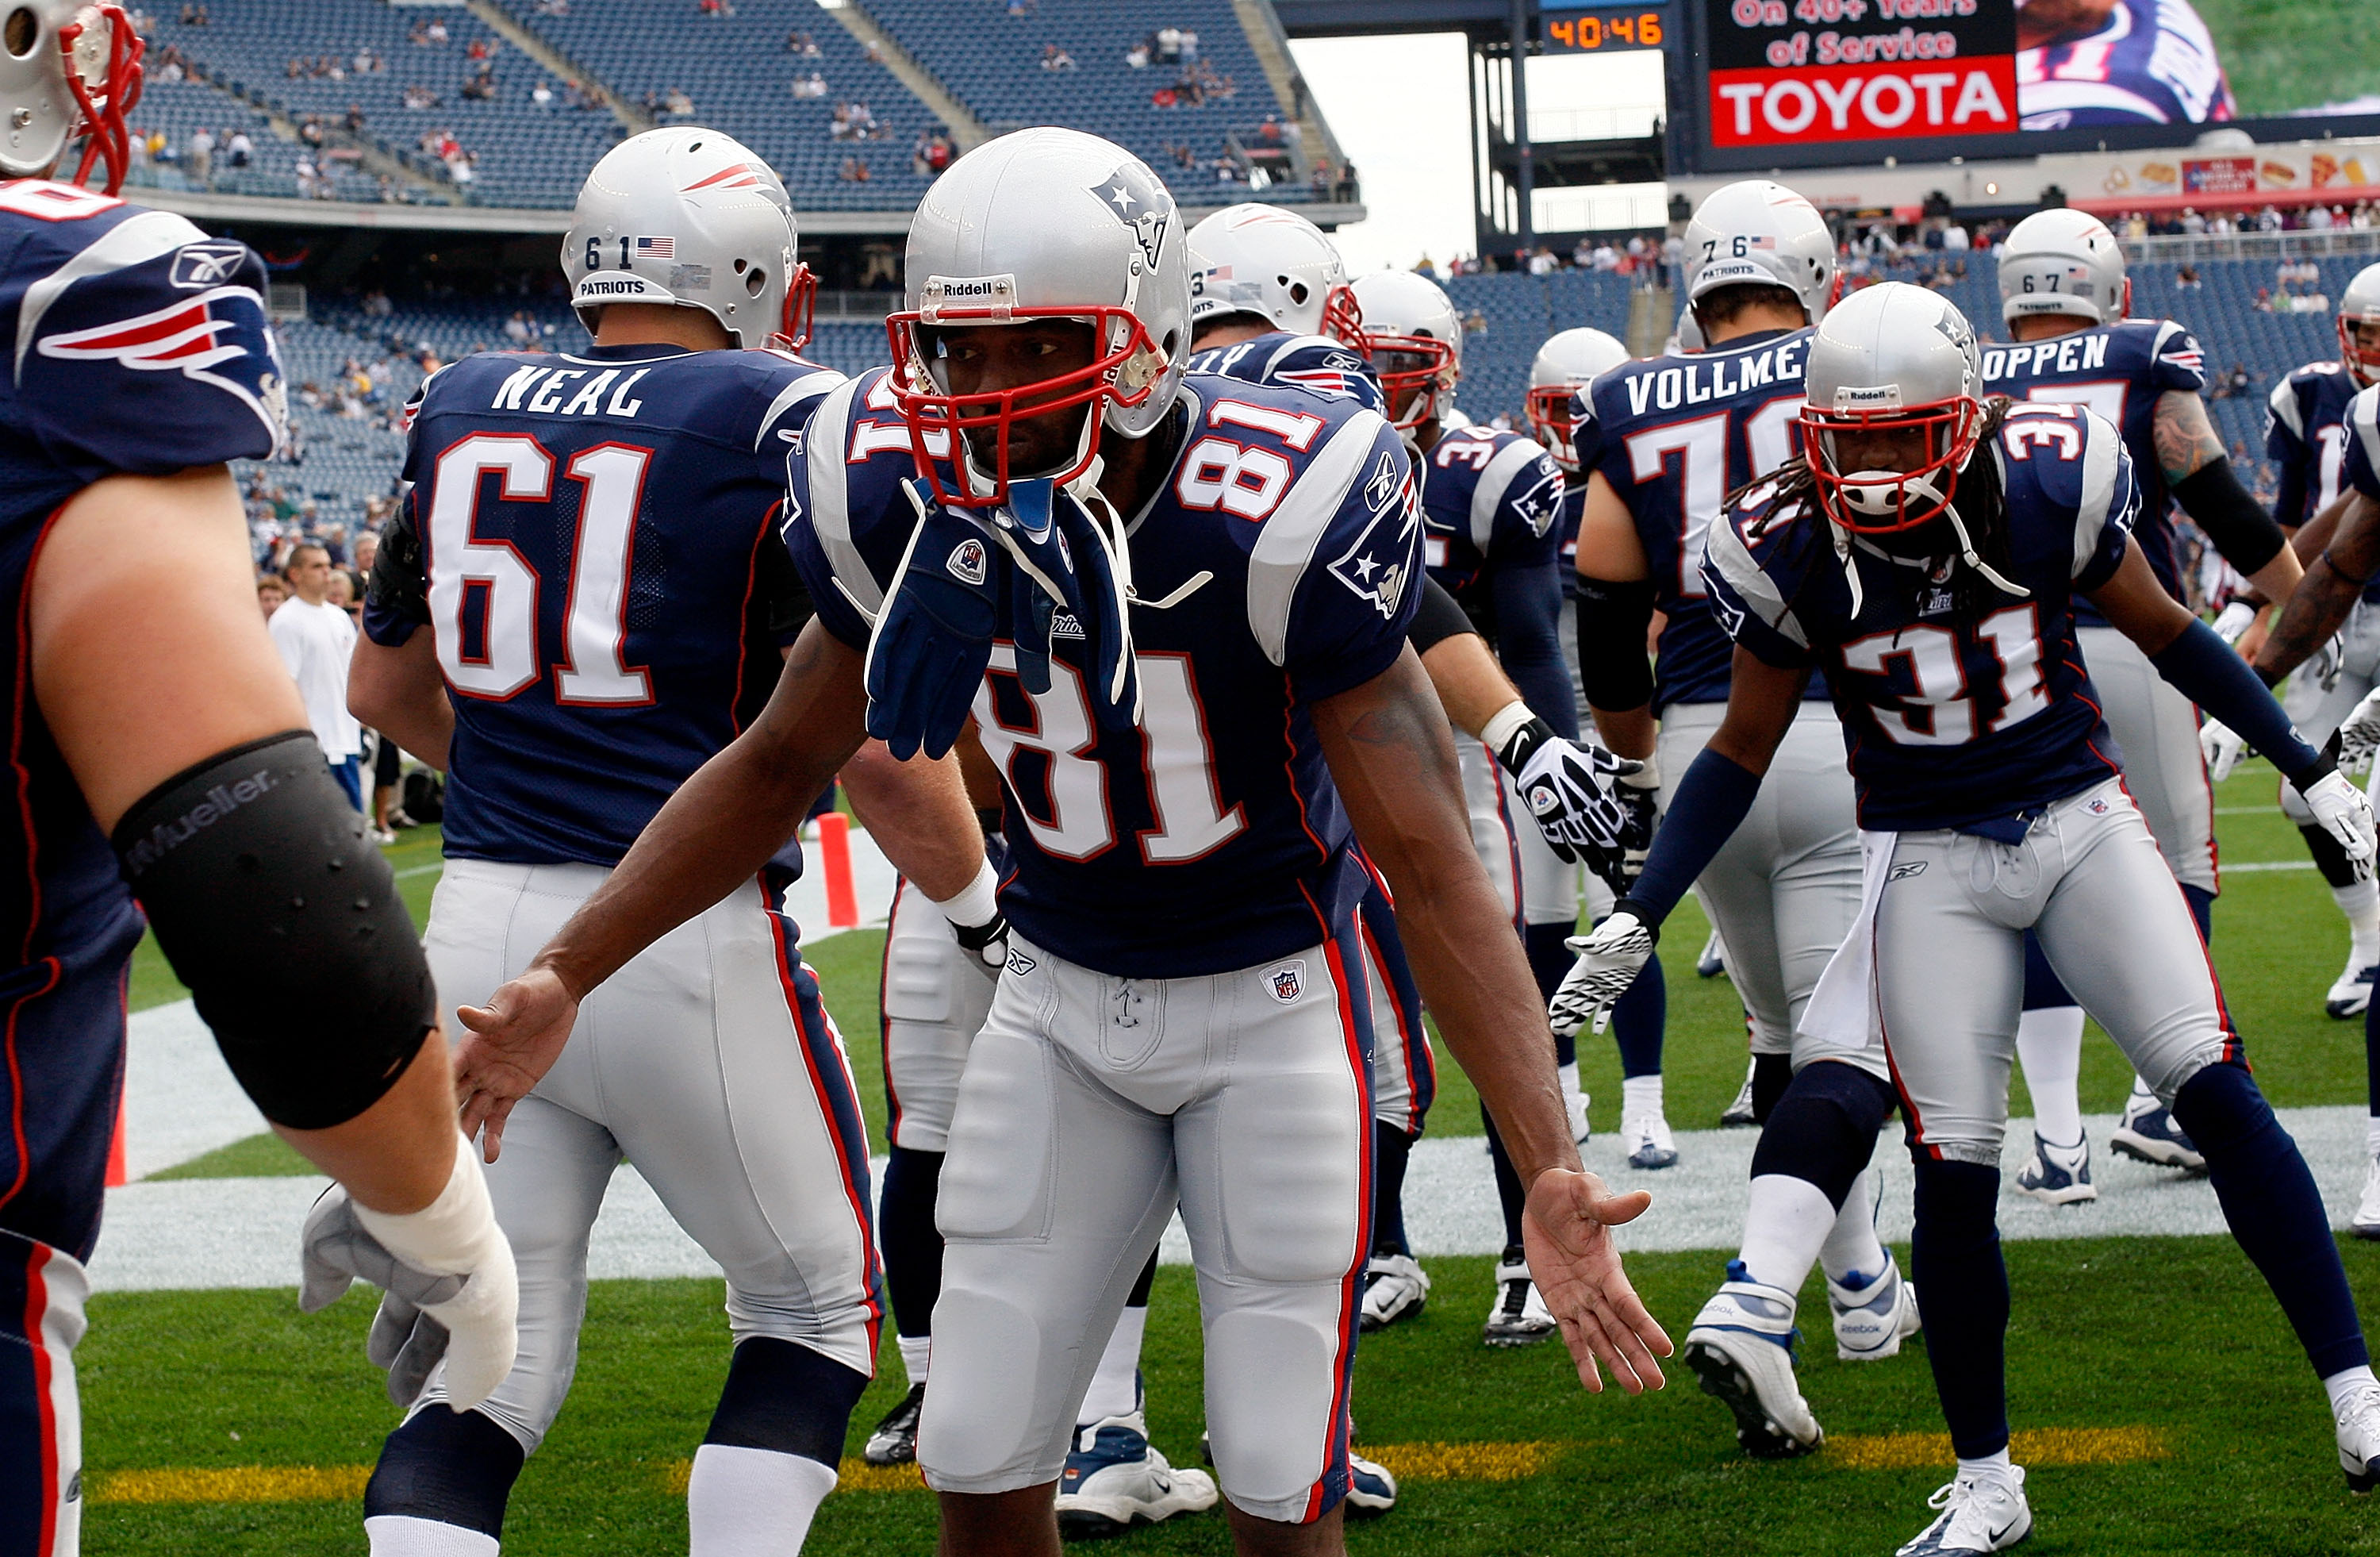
<point x="600" y="569"/>
<point x="1274" y="567"/>
<point x="1948" y="722"/>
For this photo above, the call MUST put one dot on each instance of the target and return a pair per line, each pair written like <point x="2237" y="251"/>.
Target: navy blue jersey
<point x="1212" y="838"/>
<point x="2361" y="471"/>
<point x="1674" y="435"/>
<point x="1314" y="363"/>
<point x="2120" y="370"/>
<point x="142" y="348"/>
<point x="2305" y="437"/>
<point x="1573" y="514"/>
<point x="604" y="579"/>
<point x="1949" y="722"/>
<point x="2151" y="62"/>
<point x="1491" y="523"/>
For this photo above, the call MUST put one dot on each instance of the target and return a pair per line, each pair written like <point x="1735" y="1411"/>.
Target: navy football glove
<point x="934" y="638"/>
<point x="1104" y="572"/>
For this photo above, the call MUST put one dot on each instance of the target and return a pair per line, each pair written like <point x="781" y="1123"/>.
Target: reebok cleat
<point x="1873" y="1314"/>
<point x="1649" y="1143"/>
<point x="2351" y="993"/>
<point x="895" y="1440"/>
<point x="2367" y="1210"/>
<point x="1371" y="1490"/>
<point x="1742" y="1349"/>
<point x="2359" y="1439"/>
<point x="2148" y="1133"/>
<point x="1520" y="1317"/>
<point x="1739" y="1114"/>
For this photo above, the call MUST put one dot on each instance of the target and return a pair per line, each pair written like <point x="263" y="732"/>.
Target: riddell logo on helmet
<point x="1854" y="397"/>
<point x="997" y="292"/>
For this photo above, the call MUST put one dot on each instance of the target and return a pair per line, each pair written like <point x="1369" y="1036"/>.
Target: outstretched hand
<point x="1566" y="1228"/>
<point x="509" y="1046"/>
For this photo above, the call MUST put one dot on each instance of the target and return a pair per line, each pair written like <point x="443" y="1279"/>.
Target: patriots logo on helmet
<point x="1139" y="202"/>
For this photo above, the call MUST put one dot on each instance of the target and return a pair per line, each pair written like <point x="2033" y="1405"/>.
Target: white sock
<point x="1991" y="1468"/>
<point x="400" y="1535"/>
<point x="2050" y="1045"/>
<point x="1573" y="1099"/>
<point x="1784" y="1225"/>
<point x="917" y="1351"/>
<point x="1641" y="1095"/>
<point x="752" y="1503"/>
<point x="2359" y="901"/>
<point x="2345" y="1383"/>
<point x="1852" y="1244"/>
<point x="1114" y="1388"/>
<point x="2372" y="1135"/>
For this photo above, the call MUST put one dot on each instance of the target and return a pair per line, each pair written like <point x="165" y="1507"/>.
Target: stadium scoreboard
<point x="1850" y="70"/>
<point x="1596" y="31"/>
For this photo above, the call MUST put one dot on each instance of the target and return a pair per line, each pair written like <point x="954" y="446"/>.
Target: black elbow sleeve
<point x="1612" y="665"/>
<point x="272" y="905"/>
<point x="1438" y="617"/>
<point x="2237" y="525"/>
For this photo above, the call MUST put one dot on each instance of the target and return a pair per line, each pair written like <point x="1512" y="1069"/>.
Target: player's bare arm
<point x="400" y="693"/>
<point x="1470" y="686"/>
<point x="2332" y="584"/>
<point x="1377" y="739"/>
<point x="2197" y="471"/>
<point x="920" y="808"/>
<point x="1610" y="552"/>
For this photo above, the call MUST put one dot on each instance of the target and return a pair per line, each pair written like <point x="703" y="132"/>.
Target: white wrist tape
<point x="1646" y="777"/>
<point x="1504" y="723"/>
<point x="977" y="903"/>
<point x="452" y="1234"/>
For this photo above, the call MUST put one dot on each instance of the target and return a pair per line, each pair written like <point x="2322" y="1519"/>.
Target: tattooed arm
<point x="2200" y="478"/>
<point x="2331" y="586"/>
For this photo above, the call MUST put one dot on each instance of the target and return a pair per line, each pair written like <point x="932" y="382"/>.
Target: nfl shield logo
<point x="1288" y="981"/>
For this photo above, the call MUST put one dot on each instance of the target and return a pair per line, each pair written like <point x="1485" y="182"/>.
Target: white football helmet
<point x="1891" y="357"/>
<point x="69" y="70"/>
<point x="1761" y="233"/>
<point x="1560" y="371"/>
<point x="1415" y="341"/>
<point x="2360" y="304"/>
<point x="1273" y="263"/>
<point x="2064" y="262"/>
<point x="1687" y="338"/>
<point x="688" y="217"/>
<point x="1044" y="224"/>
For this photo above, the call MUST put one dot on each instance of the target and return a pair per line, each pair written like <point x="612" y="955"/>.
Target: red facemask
<point x="1398" y="384"/>
<point x="2364" y="362"/>
<point x="801" y="311"/>
<point x="1882" y="503"/>
<point x="101" y="109"/>
<point x="1547" y="408"/>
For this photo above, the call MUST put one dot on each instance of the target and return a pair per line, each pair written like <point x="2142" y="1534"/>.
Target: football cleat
<point x="1873" y="1314"/>
<point x="1978" y="1514"/>
<point x="894" y="1441"/>
<point x="1113" y="1480"/>
<point x="1739" y="1114"/>
<point x="2367" y="1210"/>
<point x="1713" y="961"/>
<point x="1395" y="1287"/>
<point x="1519" y="1316"/>
<point x="1648" y="1138"/>
<point x="2358" y="1437"/>
<point x="2057" y="1176"/>
<point x="1742" y="1349"/>
<point x="2149" y="1133"/>
<point x="2352" y="993"/>
<point x="1371" y="1490"/>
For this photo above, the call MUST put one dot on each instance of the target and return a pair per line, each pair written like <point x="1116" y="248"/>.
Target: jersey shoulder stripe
<point x="1728" y="556"/>
<point x="1488" y="493"/>
<point x="1285" y="547"/>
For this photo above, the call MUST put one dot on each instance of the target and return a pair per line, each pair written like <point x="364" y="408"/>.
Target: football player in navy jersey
<point x="2082" y="62"/>
<point x="2306" y="439"/>
<point x="1662" y="443"/>
<point x="1187" y="767"/>
<point x="164" y="749"/>
<point x="1926" y="555"/>
<point x="1491" y="516"/>
<point x="2064" y="298"/>
<point x="568" y="677"/>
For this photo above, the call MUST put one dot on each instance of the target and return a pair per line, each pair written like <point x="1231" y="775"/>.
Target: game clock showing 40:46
<point x="1609" y="30"/>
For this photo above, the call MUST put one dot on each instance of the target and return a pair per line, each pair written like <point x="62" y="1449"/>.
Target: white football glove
<point x="1568" y="789"/>
<point x="2359" y="735"/>
<point x="2346" y="815"/>
<point x="448" y="1289"/>
<point x="2327" y="661"/>
<point x="1609" y="961"/>
<point x="2222" y="748"/>
<point x="2234" y="620"/>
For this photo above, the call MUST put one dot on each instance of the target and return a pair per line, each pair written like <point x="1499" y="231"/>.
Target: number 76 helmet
<point x="1759" y="234"/>
<point x="1275" y="264"/>
<point x="67" y="71"/>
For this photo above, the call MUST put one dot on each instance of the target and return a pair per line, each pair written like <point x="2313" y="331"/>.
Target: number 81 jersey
<point x="1950" y="722"/>
<point x="1274" y="566"/>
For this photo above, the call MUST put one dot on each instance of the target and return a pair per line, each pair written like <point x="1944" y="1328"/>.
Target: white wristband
<point x="1504" y="723"/>
<point x="450" y="1234"/>
<point x="1646" y="777"/>
<point x="977" y="904"/>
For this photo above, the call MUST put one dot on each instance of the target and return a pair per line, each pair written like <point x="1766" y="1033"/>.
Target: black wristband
<point x="2235" y="522"/>
<point x="1612" y="667"/>
<point x="975" y="937"/>
<point x="1438" y="617"/>
<point x="1649" y="917"/>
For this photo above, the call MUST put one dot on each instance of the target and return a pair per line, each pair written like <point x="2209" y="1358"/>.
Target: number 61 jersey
<point x="1949" y="722"/>
<point x="592" y="540"/>
<point x="1274" y="567"/>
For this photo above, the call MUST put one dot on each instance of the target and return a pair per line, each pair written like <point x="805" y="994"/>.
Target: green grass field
<point x="2282" y="56"/>
<point x="2176" y="1413"/>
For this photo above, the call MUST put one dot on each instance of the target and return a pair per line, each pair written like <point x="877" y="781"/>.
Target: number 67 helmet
<point x="1756" y="232"/>
<point x="2064" y="262"/>
<point x="688" y="217"/>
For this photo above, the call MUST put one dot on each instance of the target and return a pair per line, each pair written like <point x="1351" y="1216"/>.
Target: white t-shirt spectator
<point x="316" y="642"/>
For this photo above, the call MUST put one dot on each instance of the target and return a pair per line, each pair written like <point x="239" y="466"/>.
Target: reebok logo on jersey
<point x="967" y="562"/>
<point x="200" y="265"/>
<point x="1287" y="982"/>
<point x="1021" y="964"/>
<point x="1903" y="872"/>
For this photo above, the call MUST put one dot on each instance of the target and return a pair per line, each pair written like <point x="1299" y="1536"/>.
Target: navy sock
<point x="448" y="1467"/>
<point x="2372" y="1060"/>
<point x="2201" y="909"/>
<point x="1138" y="1296"/>
<point x="1509" y="1193"/>
<point x="1823" y="1130"/>
<point x="2275" y="1210"/>
<point x="1956" y="1261"/>
<point x="1637" y="1021"/>
<point x="2041" y="990"/>
<point x="787" y="1399"/>
<point x="913" y="1249"/>
<point x="1391" y="1148"/>
<point x="1549" y="955"/>
<point x="1772" y="1074"/>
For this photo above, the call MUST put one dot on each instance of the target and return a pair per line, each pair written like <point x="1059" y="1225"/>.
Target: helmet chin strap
<point x="1869" y="499"/>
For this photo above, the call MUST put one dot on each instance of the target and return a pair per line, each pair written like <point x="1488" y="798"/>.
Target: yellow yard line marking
<point x="2038" y="1446"/>
<point x="239" y="1484"/>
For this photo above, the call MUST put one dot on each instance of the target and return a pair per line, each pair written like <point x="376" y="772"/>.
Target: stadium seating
<point x="1510" y="316"/>
<point x="991" y="61"/>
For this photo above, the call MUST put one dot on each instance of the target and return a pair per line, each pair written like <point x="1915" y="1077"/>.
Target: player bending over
<point x="173" y="733"/>
<point x="1926" y="557"/>
<point x="1182" y="1017"/>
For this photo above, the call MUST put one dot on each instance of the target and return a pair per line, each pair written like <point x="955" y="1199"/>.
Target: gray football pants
<point x="1947" y="973"/>
<point x="2157" y="729"/>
